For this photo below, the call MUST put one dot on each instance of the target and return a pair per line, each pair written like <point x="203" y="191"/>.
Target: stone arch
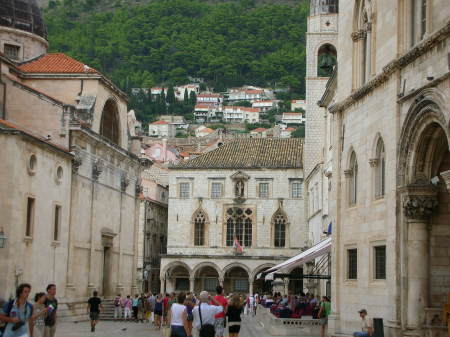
<point x="110" y="121"/>
<point x="326" y="56"/>
<point x="200" y="225"/>
<point x="424" y="115"/>
<point x="206" y="264"/>
<point x="261" y="268"/>
<point x="173" y="265"/>
<point x="232" y="265"/>
<point x="237" y="278"/>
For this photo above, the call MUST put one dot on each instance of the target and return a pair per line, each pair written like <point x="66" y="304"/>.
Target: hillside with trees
<point x="165" y="41"/>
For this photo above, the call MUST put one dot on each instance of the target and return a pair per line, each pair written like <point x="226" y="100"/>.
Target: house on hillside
<point x="178" y="121"/>
<point x="203" y="131"/>
<point x="161" y="152"/>
<point x="240" y="114"/>
<point x="209" y="97"/>
<point x="180" y="89"/>
<point x="265" y="105"/>
<point x="161" y="129"/>
<point x="298" y="104"/>
<point x="259" y="132"/>
<point x="292" y="118"/>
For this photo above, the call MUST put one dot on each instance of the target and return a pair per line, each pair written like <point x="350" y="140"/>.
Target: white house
<point x="240" y="114"/>
<point x="161" y="129"/>
<point x="292" y="118"/>
<point x="179" y="90"/>
<point x="209" y="97"/>
<point x="298" y="104"/>
<point x="265" y="105"/>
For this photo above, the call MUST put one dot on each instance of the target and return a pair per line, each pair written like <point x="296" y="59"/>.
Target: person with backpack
<point x="204" y="314"/>
<point x="18" y="313"/>
<point x="118" y="307"/>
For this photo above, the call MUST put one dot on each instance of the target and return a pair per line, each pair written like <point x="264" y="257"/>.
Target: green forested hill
<point x="164" y="41"/>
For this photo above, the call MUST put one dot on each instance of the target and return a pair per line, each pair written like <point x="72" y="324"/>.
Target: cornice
<point x="397" y="64"/>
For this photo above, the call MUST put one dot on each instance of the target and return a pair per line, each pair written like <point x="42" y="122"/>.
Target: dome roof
<point x="24" y="15"/>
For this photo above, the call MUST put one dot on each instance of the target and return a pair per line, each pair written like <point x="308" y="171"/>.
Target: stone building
<point x="152" y="240"/>
<point x="391" y="166"/>
<point x="247" y="191"/>
<point x="320" y="61"/>
<point x="72" y="223"/>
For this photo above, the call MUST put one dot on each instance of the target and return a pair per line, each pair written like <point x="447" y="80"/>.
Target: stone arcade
<point x="250" y="191"/>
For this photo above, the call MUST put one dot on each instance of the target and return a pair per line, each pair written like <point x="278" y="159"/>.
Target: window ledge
<point x="377" y="283"/>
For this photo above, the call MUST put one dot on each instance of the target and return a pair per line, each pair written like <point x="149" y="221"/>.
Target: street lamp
<point x="3" y="239"/>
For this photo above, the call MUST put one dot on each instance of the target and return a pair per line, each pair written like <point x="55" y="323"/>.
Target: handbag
<point x="205" y="328"/>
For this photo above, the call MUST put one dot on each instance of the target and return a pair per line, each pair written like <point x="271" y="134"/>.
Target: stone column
<point x="191" y="284"/>
<point x="419" y="205"/>
<point x="286" y="286"/>
<point x="250" y="284"/>
<point x="163" y="282"/>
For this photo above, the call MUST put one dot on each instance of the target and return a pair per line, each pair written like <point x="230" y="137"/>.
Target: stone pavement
<point x="249" y="328"/>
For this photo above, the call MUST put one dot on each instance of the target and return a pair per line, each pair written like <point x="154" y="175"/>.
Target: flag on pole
<point x="237" y="246"/>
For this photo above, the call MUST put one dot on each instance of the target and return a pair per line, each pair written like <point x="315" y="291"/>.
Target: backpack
<point x="205" y="329"/>
<point x="117" y="302"/>
<point x="9" y="307"/>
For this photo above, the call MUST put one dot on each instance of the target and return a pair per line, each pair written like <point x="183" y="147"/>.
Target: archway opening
<point x="236" y="280"/>
<point x="206" y="278"/>
<point x="177" y="279"/>
<point x="326" y="60"/>
<point x="261" y="286"/>
<point x="109" y="125"/>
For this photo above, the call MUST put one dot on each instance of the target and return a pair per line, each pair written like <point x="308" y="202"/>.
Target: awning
<point x="310" y="254"/>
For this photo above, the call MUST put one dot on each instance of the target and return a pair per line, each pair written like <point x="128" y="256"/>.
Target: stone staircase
<point x="107" y="314"/>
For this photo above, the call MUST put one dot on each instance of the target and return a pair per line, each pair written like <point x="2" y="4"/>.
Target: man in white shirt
<point x="208" y="311"/>
<point x="366" y="325"/>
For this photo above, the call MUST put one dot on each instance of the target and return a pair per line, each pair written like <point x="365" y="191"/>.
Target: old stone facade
<point x="248" y="191"/>
<point x="74" y="220"/>
<point x="390" y="164"/>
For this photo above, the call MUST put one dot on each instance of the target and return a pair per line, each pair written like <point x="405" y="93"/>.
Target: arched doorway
<point x="206" y="278"/>
<point x="424" y="186"/>
<point x="236" y="280"/>
<point x="326" y="60"/>
<point x="177" y="278"/>
<point x="260" y="285"/>
<point x="109" y="124"/>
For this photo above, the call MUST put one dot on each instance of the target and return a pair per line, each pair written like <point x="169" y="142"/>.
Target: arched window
<point x="239" y="222"/>
<point x="353" y="180"/>
<point x="279" y="226"/>
<point x="380" y="170"/>
<point x="109" y="125"/>
<point x="200" y="220"/>
<point x="362" y="38"/>
<point x="326" y="60"/>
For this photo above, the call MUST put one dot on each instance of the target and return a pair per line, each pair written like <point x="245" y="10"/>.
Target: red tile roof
<point x="56" y="63"/>
<point x="242" y="108"/>
<point x="159" y="123"/>
<point x="292" y="113"/>
<point x="258" y="130"/>
<point x="207" y="130"/>
<point x="208" y="95"/>
<point x="290" y="129"/>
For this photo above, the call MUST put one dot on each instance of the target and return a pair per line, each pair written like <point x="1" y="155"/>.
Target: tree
<point x="243" y="103"/>
<point x="170" y="98"/>
<point x="192" y="98"/>
<point x="186" y="97"/>
<point x="299" y="132"/>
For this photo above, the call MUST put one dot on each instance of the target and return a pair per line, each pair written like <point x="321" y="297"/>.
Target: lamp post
<point x="3" y="239"/>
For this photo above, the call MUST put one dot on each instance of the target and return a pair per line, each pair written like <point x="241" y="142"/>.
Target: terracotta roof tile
<point x="159" y="123"/>
<point x="56" y="63"/>
<point x="250" y="153"/>
<point x="258" y="130"/>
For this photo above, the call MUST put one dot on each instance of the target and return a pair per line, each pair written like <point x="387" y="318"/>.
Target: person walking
<point x="127" y="304"/>
<point x="159" y="303"/>
<point x="18" y="313"/>
<point x="190" y="317"/>
<point x="94" y="306"/>
<point x="204" y="314"/>
<point x="324" y="312"/>
<point x="178" y="317"/>
<point x="52" y="304"/>
<point x="118" y="307"/>
<point x="219" y="324"/>
<point x="38" y="326"/>
<point x="234" y="312"/>
<point x="135" y="307"/>
<point x="366" y="325"/>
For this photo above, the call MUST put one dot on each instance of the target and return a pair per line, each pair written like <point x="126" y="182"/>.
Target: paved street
<point x="121" y="329"/>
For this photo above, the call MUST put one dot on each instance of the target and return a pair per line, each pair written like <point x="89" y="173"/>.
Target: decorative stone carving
<point x="124" y="181"/>
<point x="138" y="187"/>
<point x="359" y="35"/>
<point x="373" y="162"/>
<point x="97" y="169"/>
<point x="239" y="178"/>
<point x="348" y="173"/>
<point x="419" y="207"/>
<point x="77" y="160"/>
<point x="446" y="177"/>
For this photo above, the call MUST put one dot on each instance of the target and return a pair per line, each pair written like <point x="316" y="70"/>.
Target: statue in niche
<point x="239" y="189"/>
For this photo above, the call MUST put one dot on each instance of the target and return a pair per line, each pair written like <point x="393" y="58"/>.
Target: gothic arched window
<point x="326" y="60"/>
<point x="279" y="227"/>
<point x="362" y="38"/>
<point x="239" y="226"/>
<point x="380" y="170"/>
<point x="353" y="182"/>
<point x="200" y="221"/>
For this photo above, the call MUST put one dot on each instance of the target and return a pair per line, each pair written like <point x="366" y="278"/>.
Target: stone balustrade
<point x="287" y="326"/>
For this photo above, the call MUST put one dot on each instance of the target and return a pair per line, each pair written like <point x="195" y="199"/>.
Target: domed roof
<point x="24" y="15"/>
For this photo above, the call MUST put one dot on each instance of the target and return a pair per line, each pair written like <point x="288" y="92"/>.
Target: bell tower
<point x="321" y="42"/>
